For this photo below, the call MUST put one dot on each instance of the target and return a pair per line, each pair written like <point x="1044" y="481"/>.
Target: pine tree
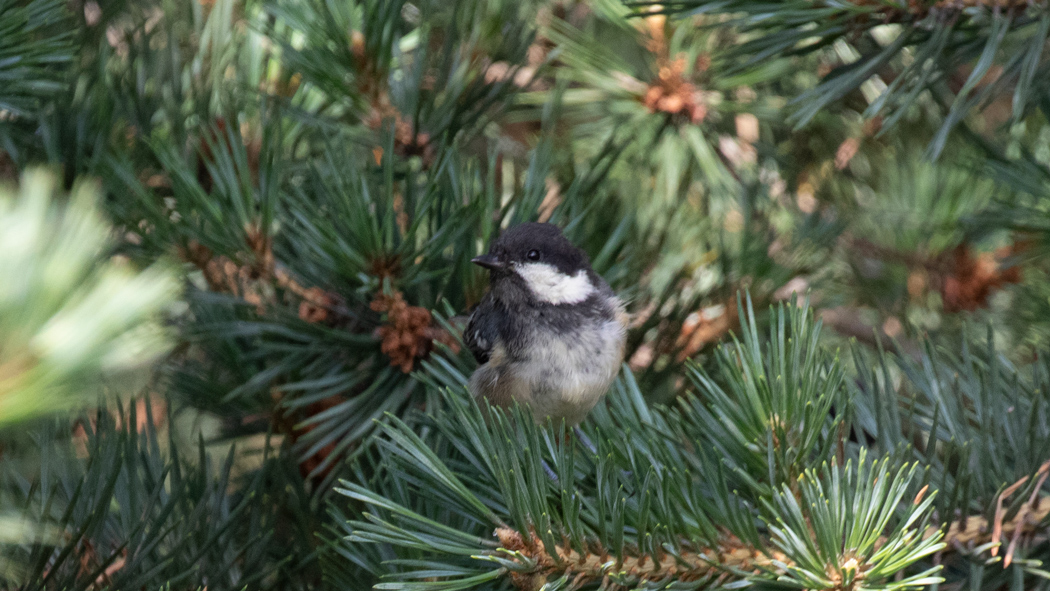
<point x="319" y="175"/>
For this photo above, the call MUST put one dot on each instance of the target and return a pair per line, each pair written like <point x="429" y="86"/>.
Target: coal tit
<point x="550" y="332"/>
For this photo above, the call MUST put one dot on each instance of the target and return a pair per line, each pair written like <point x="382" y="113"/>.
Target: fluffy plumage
<point x="550" y="333"/>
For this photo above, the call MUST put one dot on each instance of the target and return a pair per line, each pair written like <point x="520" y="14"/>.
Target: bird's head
<point x="538" y="261"/>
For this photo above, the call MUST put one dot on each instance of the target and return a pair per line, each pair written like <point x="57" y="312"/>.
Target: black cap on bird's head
<point x="534" y="243"/>
<point x="535" y="263"/>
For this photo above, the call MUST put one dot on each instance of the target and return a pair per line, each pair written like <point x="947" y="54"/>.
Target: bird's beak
<point x="489" y="261"/>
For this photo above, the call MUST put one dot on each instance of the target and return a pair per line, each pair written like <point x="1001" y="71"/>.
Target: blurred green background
<point x="235" y="234"/>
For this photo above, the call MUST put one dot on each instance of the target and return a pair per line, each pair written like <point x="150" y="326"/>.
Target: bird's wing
<point x="481" y="332"/>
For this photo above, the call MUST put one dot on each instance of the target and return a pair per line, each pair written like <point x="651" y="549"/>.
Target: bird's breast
<point x="571" y="370"/>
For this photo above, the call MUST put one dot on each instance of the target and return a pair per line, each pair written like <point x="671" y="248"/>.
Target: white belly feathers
<point x="571" y="372"/>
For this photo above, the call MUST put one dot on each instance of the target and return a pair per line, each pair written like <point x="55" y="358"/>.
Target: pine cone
<point x="408" y="333"/>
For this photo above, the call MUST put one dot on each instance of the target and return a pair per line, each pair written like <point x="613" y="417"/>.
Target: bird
<point x="550" y="333"/>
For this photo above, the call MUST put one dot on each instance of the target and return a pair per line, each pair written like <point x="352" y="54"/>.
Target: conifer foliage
<point x="235" y="243"/>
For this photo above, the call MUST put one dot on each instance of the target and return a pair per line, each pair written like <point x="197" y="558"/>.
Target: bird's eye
<point x="533" y="255"/>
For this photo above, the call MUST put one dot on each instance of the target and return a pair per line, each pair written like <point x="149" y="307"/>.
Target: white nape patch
<point x="552" y="286"/>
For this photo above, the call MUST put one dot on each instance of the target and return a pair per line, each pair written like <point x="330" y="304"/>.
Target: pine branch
<point x="133" y="510"/>
<point x="996" y="48"/>
<point x="531" y="557"/>
<point x="708" y="565"/>
<point x="36" y="49"/>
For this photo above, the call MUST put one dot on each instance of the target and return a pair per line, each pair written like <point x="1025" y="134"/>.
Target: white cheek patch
<point x="552" y="286"/>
